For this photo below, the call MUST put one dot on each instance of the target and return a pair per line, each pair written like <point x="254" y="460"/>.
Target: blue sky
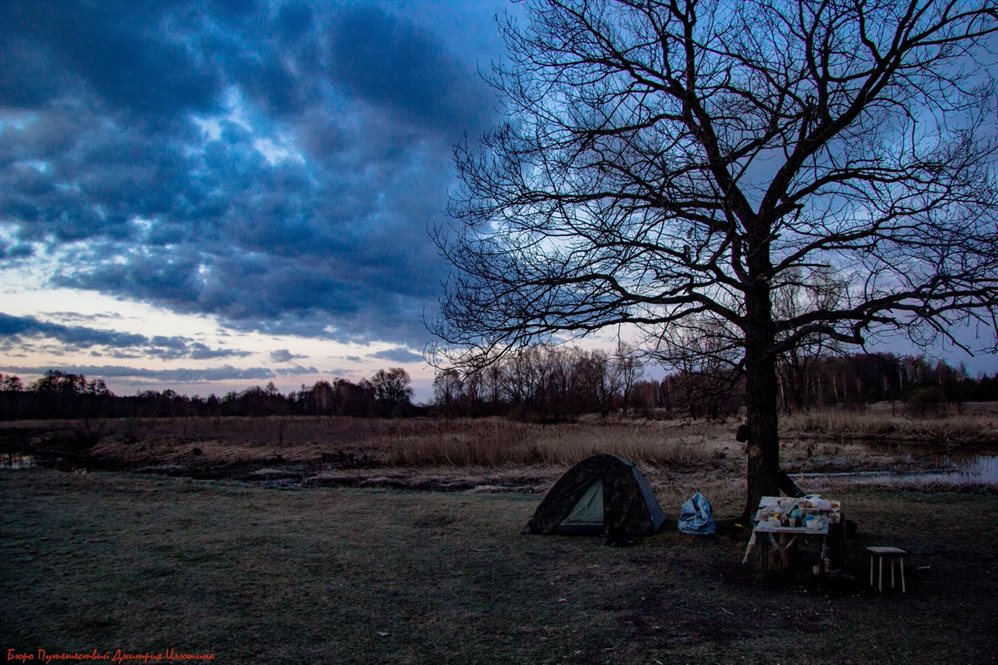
<point x="208" y="191"/>
<point x="204" y="195"/>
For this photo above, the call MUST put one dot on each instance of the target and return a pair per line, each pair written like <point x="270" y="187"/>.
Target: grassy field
<point x="341" y="575"/>
<point x="462" y="451"/>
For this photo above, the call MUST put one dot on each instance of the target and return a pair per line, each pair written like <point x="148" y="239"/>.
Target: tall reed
<point x="495" y="442"/>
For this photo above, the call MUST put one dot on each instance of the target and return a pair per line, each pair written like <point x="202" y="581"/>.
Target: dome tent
<point x="602" y="495"/>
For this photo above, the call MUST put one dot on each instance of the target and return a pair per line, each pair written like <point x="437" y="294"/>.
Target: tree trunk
<point x="762" y="401"/>
<point x="764" y="442"/>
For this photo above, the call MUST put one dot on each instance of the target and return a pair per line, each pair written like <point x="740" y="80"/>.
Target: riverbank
<point x="494" y="454"/>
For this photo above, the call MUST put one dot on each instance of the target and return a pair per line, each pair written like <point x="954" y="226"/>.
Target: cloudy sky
<point x="208" y="194"/>
<point x="205" y="195"/>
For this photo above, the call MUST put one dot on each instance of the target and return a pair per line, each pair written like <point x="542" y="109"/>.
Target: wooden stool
<point x="891" y="554"/>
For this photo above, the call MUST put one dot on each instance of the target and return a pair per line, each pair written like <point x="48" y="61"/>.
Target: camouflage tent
<point x="603" y="495"/>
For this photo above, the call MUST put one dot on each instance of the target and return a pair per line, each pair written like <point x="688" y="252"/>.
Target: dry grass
<point x="416" y="442"/>
<point x="354" y="576"/>
<point x="498" y="443"/>
<point x="880" y="423"/>
<point x="346" y="450"/>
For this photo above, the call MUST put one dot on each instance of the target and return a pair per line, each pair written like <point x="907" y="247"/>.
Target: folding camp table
<point x="784" y="537"/>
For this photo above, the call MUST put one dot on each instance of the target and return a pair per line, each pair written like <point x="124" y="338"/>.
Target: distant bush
<point x="928" y="402"/>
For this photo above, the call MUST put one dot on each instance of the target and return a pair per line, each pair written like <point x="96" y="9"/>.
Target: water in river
<point x="977" y="469"/>
<point x="950" y="470"/>
<point x="964" y="470"/>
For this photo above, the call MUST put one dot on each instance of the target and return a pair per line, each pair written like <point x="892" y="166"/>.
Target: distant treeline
<point x="64" y="395"/>
<point x="536" y="383"/>
<point x="557" y="381"/>
<point x="854" y="380"/>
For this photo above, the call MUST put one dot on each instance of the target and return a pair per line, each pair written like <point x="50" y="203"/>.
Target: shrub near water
<point x="926" y="402"/>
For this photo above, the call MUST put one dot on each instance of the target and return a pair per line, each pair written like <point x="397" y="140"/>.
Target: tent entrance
<point x="586" y="516"/>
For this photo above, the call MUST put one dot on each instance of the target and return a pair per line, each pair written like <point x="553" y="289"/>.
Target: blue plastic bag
<point x="697" y="517"/>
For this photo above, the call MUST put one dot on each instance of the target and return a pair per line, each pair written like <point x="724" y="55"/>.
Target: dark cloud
<point x="12" y="251"/>
<point x="273" y="164"/>
<point x="283" y="356"/>
<point x="389" y="62"/>
<point x="179" y="375"/>
<point x="110" y="49"/>
<point x="234" y="9"/>
<point x="296" y="370"/>
<point x="399" y="355"/>
<point x="77" y="336"/>
<point x="293" y="21"/>
<point x="118" y="344"/>
<point x="201" y="351"/>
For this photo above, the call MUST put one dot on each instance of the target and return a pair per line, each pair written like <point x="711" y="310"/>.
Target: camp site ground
<point x="270" y="570"/>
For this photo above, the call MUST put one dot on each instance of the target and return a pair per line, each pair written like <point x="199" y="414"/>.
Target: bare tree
<point x="392" y="387"/>
<point x="448" y="388"/>
<point x="705" y="351"/>
<point x="794" y="296"/>
<point x="629" y="367"/>
<point x="561" y="378"/>
<point x="522" y="375"/>
<point x="598" y="379"/>
<point x="11" y="383"/>
<point x="666" y="159"/>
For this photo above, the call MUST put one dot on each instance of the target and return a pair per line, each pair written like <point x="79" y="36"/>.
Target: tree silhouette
<point x="665" y="161"/>
<point x="392" y="387"/>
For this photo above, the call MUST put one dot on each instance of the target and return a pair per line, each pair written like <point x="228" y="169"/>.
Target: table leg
<point x="871" y="571"/>
<point x="902" y="575"/>
<point x="880" y="573"/>
<point x="748" y="550"/>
